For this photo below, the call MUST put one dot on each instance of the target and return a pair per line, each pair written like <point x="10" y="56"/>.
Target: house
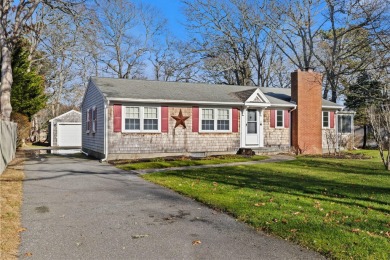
<point x="65" y="130"/>
<point x="136" y="118"/>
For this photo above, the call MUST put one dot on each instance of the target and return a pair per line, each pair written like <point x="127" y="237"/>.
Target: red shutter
<point x="195" y="119"/>
<point x="164" y="119"/>
<point x="235" y="120"/>
<point x="272" y="118"/>
<point x="286" y="119"/>
<point x="117" y="118"/>
<point x="331" y="119"/>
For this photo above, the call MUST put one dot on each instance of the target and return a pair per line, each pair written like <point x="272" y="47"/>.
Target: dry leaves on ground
<point x="10" y="203"/>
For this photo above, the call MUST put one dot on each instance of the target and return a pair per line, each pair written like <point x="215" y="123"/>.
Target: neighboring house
<point x="65" y="130"/>
<point x="136" y="118"/>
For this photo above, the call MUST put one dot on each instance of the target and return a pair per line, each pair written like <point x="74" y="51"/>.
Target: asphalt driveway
<point x="76" y="208"/>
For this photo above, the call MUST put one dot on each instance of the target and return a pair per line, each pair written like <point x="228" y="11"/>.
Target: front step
<point x="267" y="150"/>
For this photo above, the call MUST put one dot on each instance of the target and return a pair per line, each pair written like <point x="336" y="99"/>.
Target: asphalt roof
<point x="190" y="92"/>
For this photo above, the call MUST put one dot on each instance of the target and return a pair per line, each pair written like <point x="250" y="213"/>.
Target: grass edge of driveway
<point x="11" y="194"/>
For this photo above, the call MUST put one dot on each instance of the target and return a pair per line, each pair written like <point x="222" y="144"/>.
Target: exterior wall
<point x="93" y="143"/>
<point x="72" y="117"/>
<point x="329" y="139"/>
<point x="176" y="141"/>
<point x="274" y="137"/>
<point x="306" y="122"/>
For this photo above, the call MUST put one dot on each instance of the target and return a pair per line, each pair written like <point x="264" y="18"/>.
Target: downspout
<point x="51" y="134"/>
<point x="291" y="126"/>
<point x="105" y="132"/>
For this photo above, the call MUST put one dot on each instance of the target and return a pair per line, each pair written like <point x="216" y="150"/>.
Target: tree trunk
<point x="6" y="82"/>
<point x="326" y="90"/>
<point x="364" y="136"/>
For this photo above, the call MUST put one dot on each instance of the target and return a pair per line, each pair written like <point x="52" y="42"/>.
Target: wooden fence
<point x="8" y="135"/>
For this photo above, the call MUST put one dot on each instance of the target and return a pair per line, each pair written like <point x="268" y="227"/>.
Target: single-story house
<point x="65" y="130"/>
<point x="125" y="118"/>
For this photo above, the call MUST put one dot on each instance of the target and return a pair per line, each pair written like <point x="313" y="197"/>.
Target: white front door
<point x="253" y="128"/>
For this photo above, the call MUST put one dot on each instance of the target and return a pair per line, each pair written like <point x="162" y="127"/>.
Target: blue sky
<point x="172" y="11"/>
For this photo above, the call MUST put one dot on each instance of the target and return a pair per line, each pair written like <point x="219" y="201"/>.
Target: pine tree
<point x="28" y="89"/>
<point x="360" y="96"/>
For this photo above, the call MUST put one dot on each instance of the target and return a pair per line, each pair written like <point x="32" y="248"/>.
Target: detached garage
<point x="65" y="130"/>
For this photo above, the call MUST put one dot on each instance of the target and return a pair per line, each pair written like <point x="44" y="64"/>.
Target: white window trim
<point x="325" y="127"/>
<point x="215" y="120"/>
<point x="88" y="120"/>
<point x="276" y="119"/>
<point x="340" y="118"/>
<point x="141" y="111"/>
<point x="94" y="121"/>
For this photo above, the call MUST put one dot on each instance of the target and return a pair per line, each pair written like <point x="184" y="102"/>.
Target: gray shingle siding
<point x="70" y="117"/>
<point x="93" y="143"/>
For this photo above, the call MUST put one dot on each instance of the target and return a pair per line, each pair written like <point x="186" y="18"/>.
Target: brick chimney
<point x="306" y="88"/>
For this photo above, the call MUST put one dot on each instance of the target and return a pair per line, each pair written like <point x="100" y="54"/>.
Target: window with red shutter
<point x="272" y="118"/>
<point x="195" y="119"/>
<point x="235" y="114"/>
<point x="331" y="119"/>
<point x="286" y="119"/>
<point x="164" y="119"/>
<point x="117" y="118"/>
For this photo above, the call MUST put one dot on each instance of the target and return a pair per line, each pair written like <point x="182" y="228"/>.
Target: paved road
<point x="81" y="209"/>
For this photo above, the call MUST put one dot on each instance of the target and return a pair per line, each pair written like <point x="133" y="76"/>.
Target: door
<point x="252" y="128"/>
<point x="69" y="134"/>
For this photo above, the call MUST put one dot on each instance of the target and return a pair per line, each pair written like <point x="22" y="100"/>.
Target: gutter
<point x="165" y="101"/>
<point x="106" y="103"/>
<point x="334" y="107"/>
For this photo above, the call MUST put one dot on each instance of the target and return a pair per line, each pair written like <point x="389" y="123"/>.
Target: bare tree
<point x="345" y="49"/>
<point x="125" y="31"/>
<point x="224" y="37"/>
<point x="14" y="19"/>
<point x="62" y="40"/>
<point x="234" y="42"/>
<point x="173" y="61"/>
<point x="294" y="26"/>
<point x="334" y="36"/>
<point x="379" y="116"/>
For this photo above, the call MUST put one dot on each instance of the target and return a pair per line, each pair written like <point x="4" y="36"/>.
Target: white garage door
<point x="69" y="134"/>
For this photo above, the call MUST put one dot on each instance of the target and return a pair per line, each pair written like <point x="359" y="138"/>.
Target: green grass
<point x="337" y="207"/>
<point x="159" y="163"/>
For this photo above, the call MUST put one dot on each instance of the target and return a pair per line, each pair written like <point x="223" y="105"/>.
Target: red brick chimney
<point x="306" y="88"/>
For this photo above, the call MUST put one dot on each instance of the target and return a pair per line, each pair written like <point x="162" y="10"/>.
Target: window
<point x="344" y="124"/>
<point x="140" y="119"/>
<point x="94" y="119"/>
<point x="88" y="122"/>
<point x="215" y="119"/>
<point x="150" y="118"/>
<point x="223" y="119"/>
<point x="279" y="118"/>
<point x="208" y="119"/>
<point x="325" y="119"/>
<point x="132" y="118"/>
<point x="252" y="121"/>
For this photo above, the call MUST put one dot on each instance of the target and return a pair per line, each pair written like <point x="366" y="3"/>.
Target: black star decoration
<point x="180" y="119"/>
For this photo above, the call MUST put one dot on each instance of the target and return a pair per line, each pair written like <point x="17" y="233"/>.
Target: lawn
<point x="337" y="207"/>
<point x="159" y="163"/>
<point x="10" y="204"/>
